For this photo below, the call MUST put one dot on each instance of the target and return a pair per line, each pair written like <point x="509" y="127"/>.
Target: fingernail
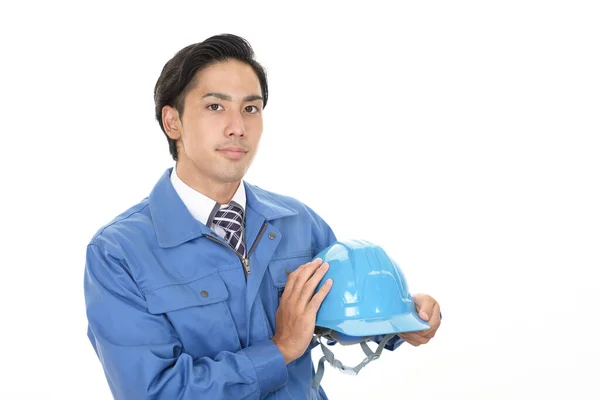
<point x="329" y="282"/>
<point x="424" y="315"/>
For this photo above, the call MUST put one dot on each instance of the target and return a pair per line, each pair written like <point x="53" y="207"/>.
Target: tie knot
<point x="230" y="217"/>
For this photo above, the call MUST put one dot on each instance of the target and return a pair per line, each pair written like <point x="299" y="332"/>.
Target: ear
<point x="171" y="122"/>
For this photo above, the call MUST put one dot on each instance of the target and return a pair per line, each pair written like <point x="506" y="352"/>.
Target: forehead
<point x="232" y="77"/>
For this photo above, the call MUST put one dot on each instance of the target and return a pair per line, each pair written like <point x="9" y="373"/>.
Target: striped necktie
<point x="231" y="219"/>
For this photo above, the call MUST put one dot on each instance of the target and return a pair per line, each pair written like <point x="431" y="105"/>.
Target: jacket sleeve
<point x="142" y="355"/>
<point x="322" y="234"/>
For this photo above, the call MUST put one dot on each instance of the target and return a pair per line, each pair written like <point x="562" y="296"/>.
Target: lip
<point x="233" y="148"/>
<point x="234" y="153"/>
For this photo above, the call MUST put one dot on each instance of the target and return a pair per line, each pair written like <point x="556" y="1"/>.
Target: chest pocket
<point x="280" y="268"/>
<point x="200" y="314"/>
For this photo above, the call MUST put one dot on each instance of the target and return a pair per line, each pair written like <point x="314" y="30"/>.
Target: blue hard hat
<point x="369" y="296"/>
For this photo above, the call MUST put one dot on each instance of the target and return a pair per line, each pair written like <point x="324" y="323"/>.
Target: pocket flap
<point x="281" y="268"/>
<point x="208" y="290"/>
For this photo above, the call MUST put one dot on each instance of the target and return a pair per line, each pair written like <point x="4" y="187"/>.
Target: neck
<point x="221" y="192"/>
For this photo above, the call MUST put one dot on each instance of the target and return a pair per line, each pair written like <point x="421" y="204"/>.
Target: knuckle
<point x="317" y="300"/>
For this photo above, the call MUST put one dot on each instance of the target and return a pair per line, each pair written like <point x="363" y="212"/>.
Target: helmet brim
<point x="400" y="323"/>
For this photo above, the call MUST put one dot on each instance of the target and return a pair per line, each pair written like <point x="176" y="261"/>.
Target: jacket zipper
<point x="245" y="260"/>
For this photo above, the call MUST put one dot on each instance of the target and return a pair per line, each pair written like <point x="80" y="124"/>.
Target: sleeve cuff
<point x="269" y="365"/>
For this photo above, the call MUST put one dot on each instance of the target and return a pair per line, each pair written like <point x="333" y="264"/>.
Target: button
<point x="204" y="293"/>
<point x="272" y="235"/>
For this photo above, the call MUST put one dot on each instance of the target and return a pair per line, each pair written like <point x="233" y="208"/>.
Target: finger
<point x="409" y="340"/>
<point x="309" y="269"/>
<point x="318" y="298"/>
<point x="434" y="321"/>
<point x="293" y="276"/>
<point x="309" y="287"/>
<point x="413" y="343"/>
<point x="417" y="336"/>
<point x="430" y="334"/>
<point x="304" y="275"/>
<point x="414" y="337"/>
<point x="422" y="334"/>
<point x="424" y="305"/>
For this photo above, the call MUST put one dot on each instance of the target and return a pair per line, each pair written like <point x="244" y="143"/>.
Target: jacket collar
<point x="174" y="224"/>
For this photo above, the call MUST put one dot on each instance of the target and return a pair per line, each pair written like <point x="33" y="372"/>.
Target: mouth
<point x="232" y="153"/>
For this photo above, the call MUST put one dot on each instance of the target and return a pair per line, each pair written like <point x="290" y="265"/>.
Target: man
<point x="187" y="293"/>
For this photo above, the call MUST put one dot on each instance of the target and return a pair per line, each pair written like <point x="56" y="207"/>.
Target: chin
<point x="232" y="175"/>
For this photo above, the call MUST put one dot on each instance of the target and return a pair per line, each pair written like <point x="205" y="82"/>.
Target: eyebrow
<point x="227" y="97"/>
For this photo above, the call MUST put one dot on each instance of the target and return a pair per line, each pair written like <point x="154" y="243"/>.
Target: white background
<point x="476" y="121"/>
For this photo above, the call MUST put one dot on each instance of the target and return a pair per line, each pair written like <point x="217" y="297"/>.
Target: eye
<point x="214" y="107"/>
<point x="251" y="109"/>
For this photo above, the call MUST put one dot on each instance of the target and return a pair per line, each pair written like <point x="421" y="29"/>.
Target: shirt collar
<point x="174" y="224"/>
<point x="199" y="205"/>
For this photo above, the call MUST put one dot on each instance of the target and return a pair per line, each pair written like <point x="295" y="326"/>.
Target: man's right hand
<point x="297" y="313"/>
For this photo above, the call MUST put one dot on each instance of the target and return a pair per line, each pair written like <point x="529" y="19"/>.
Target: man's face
<point x="222" y="123"/>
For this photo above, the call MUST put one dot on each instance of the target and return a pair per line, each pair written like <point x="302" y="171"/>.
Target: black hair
<point x="177" y="76"/>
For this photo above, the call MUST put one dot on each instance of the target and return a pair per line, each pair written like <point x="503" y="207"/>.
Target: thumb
<point x="421" y="306"/>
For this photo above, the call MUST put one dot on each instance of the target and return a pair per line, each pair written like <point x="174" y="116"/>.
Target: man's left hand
<point x="428" y="310"/>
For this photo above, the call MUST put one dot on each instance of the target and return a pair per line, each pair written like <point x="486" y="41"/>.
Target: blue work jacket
<point x="172" y="313"/>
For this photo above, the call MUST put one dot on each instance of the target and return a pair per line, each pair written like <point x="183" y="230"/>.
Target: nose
<point x="235" y="127"/>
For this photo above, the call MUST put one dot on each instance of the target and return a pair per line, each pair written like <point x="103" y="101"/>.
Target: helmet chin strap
<point x="328" y="355"/>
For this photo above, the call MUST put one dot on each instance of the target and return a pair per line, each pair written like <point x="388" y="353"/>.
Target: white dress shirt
<point x="202" y="207"/>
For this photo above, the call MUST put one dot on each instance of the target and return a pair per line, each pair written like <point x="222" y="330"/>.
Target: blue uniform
<point x="172" y="313"/>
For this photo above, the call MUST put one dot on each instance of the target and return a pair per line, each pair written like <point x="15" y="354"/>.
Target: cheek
<point x="254" y="128"/>
<point x="200" y="135"/>
<point x="189" y="145"/>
